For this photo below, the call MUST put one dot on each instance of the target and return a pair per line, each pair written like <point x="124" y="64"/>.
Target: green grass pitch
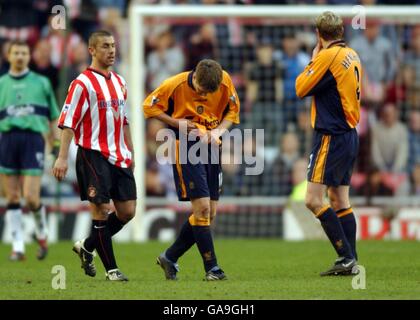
<point x="257" y="269"/>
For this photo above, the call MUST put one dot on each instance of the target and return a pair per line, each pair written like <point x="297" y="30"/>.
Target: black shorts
<point x="99" y="181"/>
<point x="332" y="159"/>
<point x="22" y="153"/>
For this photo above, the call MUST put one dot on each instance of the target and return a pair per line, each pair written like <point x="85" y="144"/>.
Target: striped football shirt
<point x="95" y="108"/>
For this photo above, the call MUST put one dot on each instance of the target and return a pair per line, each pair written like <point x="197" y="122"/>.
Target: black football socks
<point x="100" y="239"/>
<point x="335" y="232"/>
<point x="183" y="242"/>
<point x="114" y="224"/>
<point x="204" y="240"/>
<point x="348" y="222"/>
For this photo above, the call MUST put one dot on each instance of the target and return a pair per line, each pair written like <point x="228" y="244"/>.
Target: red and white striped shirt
<point x="95" y="110"/>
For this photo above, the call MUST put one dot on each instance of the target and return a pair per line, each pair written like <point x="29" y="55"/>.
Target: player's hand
<point x="316" y="50"/>
<point x="212" y="136"/>
<point x="60" y="169"/>
<point x="189" y="126"/>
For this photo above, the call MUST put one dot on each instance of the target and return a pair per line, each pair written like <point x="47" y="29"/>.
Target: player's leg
<point x="94" y="180"/>
<point x="11" y="186"/>
<point x="332" y="228"/>
<point x="10" y="164"/>
<point x="340" y="202"/>
<point x="124" y="212"/>
<point x="32" y="166"/>
<point x="326" y="168"/>
<point x="124" y="194"/>
<point x="101" y="239"/>
<point x="185" y="239"/>
<point x="200" y="221"/>
<point x="216" y="273"/>
<point x="31" y="194"/>
<point x="182" y="244"/>
<point x="213" y="210"/>
<point x="314" y="201"/>
<point x="339" y="195"/>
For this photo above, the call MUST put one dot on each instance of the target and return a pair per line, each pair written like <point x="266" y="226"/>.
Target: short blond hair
<point x="330" y="26"/>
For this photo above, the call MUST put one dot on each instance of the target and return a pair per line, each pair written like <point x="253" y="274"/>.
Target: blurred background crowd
<point x="264" y="57"/>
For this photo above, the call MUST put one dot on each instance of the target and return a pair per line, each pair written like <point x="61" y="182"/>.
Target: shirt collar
<point x="106" y="76"/>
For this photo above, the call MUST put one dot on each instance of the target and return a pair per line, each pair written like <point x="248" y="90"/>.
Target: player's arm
<point x="157" y="103"/>
<point x="175" y="123"/>
<point x="54" y="134"/>
<point x="61" y="164"/>
<point x="73" y="111"/>
<point x="54" y="137"/>
<point x="129" y="142"/>
<point x="310" y="78"/>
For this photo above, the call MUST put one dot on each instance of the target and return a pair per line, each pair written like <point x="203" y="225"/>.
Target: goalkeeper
<point x="28" y="111"/>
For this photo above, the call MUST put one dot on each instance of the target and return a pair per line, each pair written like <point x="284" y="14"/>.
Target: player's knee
<point x="201" y="216"/>
<point x="313" y="203"/>
<point x="32" y="202"/>
<point x="100" y="214"/>
<point x="13" y="197"/>
<point x="125" y="217"/>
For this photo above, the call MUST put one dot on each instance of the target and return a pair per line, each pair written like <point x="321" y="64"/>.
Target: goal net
<point x="264" y="48"/>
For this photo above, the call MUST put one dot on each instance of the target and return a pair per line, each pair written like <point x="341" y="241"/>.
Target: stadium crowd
<point x="263" y="60"/>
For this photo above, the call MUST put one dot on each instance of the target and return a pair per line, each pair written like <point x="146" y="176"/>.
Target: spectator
<point x="390" y="141"/>
<point x="415" y="176"/>
<point x="18" y="21"/>
<point x="201" y="45"/>
<point x="414" y="140"/>
<point x="277" y="179"/>
<point x="41" y="62"/>
<point x="165" y="60"/>
<point x="374" y="185"/>
<point x="265" y="92"/>
<point x="390" y="150"/>
<point x="304" y="131"/>
<point x="411" y="70"/>
<point x="293" y="61"/>
<point x="79" y="62"/>
<point x="158" y="182"/>
<point x="62" y="46"/>
<point x="4" y="63"/>
<point x="84" y="16"/>
<point x="379" y="62"/>
<point x="298" y="179"/>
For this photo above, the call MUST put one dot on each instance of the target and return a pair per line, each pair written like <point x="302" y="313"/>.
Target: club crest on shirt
<point x="309" y="72"/>
<point x="200" y="109"/>
<point x="91" y="192"/>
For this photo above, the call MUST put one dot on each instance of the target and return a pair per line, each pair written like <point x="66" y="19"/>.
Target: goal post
<point x="137" y="63"/>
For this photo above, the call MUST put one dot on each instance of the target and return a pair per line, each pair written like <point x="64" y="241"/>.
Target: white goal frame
<point x="137" y="66"/>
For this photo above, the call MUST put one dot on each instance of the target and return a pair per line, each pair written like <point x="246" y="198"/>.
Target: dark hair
<point x="330" y="26"/>
<point x="209" y="74"/>
<point x="16" y="43"/>
<point x="97" y="34"/>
